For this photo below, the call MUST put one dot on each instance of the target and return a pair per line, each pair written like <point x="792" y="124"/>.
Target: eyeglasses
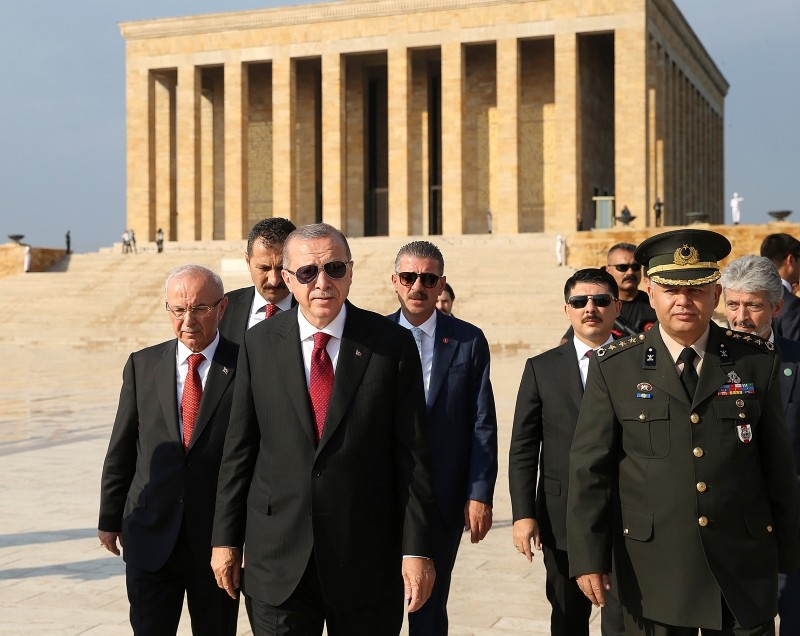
<point x="198" y="311"/>
<point x="624" y="267"/>
<point x="599" y="300"/>
<point x="308" y="273"/>
<point x="407" y="279"/>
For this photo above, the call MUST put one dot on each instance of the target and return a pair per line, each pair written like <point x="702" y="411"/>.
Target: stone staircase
<point x="508" y="285"/>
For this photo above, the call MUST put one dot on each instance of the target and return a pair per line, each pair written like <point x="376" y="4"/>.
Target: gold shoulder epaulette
<point x="756" y="341"/>
<point x="628" y="342"/>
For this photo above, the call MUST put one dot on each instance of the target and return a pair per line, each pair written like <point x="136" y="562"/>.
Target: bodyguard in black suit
<point x="752" y="296"/>
<point x="326" y="473"/>
<point x="680" y="468"/>
<point x="462" y="424"/>
<point x="548" y="404"/>
<point x="160" y="472"/>
<point x="784" y="252"/>
<point x="264" y="257"/>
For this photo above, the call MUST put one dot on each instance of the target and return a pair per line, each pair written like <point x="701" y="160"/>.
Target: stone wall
<point x="12" y="259"/>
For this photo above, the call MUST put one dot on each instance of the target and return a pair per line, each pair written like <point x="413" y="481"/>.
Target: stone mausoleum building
<point x="397" y="117"/>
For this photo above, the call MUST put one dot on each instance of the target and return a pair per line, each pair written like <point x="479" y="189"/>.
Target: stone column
<point x="567" y="182"/>
<point x="139" y="161"/>
<point x="332" y="146"/>
<point x="632" y="161"/>
<point x="284" y="84"/>
<point x="189" y="221"/>
<point x="235" y="159"/>
<point x="452" y="120"/>
<point x="162" y="135"/>
<point x="505" y="196"/>
<point x="399" y="82"/>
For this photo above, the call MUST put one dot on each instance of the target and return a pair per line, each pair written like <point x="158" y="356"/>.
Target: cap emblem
<point x="686" y="255"/>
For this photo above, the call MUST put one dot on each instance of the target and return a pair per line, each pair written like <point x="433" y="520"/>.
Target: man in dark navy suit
<point x="462" y="424"/>
<point x="753" y="298"/>
<point x="784" y="252"/>
<point x="269" y="294"/>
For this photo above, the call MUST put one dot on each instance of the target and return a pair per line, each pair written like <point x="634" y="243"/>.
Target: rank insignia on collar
<point x="650" y="358"/>
<point x="632" y="340"/>
<point x="225" y="370"/>
<point x="723" y="352"/>
<point x="358" y="353"/>
<point x="611" y="347"/>
<point x="745" y="433"/>
<point x="769" y="345"/>
<point x="733" y="378"/>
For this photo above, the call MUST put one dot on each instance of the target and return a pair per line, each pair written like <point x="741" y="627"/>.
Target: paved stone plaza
<point x="56" y="411"/>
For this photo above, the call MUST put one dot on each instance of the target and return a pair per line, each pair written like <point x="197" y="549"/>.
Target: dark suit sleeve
<point x="483" y="463"/>
<point x="592" y="476"/>
<point x="413" y="455"/>
<point x="780" y="476"/>
<point x="120" y="462"/>
<point x="526" y="444"/>
<point x="238" y="461"/>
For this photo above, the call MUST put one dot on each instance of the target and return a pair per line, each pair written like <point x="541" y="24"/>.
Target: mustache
<point x="591" y="318"/>
<point x="280" y="285"/>
<point x="744" y="324"/>
<point x="320" y="295"/>
<point x="630" y="278"/>
<point x="417" y="295"/>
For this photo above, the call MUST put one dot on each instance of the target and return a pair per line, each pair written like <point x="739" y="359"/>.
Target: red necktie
<point x="321" y="382"/>
<point x="271" y="311"/>
<point x="589" y="353"/>
<point x="192" y="392"/>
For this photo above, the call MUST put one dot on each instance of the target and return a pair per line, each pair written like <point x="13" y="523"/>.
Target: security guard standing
<point x="681" y="466"/>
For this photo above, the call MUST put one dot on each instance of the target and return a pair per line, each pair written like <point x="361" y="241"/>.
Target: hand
<point x="525" y="530"/>
<point x="477" y="519"/>
<point x="109" y="541"/>
<point x="418" y="577"/>
<point x="594" y="587"/>
<point x="227" y="566"/>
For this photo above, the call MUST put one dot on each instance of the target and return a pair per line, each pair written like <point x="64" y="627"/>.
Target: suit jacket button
<point x="701" y="486"/>
<point x="703" y="521"/>
<point x="317" y="472"/>
<point x="695" y="418"/>
<point x="769" y="528"/>
<point x="625" y="531"/>
<point x="698" y="452"/>
<point x="180" y="499"/>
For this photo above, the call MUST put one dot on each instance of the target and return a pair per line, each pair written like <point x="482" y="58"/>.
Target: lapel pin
<point x="787" y="372"/>
<point x="225" y="370"/>
<point x="358" y="353"/>
<point x="445" y="340"/>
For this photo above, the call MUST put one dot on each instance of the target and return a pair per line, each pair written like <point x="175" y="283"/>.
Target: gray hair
<point x="420" y="249"/>
<point x="196" y="270"/>
<point x="315" y="231"/>
<point x="751" y="274"/>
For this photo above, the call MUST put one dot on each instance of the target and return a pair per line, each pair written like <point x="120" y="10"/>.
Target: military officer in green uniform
<point x="682" y="483"/>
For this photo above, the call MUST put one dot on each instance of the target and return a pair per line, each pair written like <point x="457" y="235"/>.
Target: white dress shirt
<point x="258" y="308"/>
<point x="583" y="362"/>
<point x="335" y="328"/>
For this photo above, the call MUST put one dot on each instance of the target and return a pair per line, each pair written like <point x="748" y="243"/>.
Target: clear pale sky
<point x="62" y="114"/>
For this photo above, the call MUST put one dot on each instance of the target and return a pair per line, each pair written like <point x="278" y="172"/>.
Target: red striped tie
<point x="321" y="381"/>
<point x="190" y="401"/>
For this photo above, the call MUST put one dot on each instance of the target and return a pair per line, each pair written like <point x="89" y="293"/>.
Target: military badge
<point x="644" y="386"/>
<point x="733" y="378"/>
<point x="787" y="372"/>
<point x="745" y="433"/>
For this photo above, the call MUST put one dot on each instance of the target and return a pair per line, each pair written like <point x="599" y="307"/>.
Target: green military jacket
<point x="692" y="500"/>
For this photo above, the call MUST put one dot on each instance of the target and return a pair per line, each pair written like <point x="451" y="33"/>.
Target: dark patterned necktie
<point x="271" y="311"/>
<point x="192" y="393"/>
<point x="321" y="381"/>
<point x="689" y="374"/>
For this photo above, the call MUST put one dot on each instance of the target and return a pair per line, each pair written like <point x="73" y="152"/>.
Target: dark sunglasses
<point x="624" y="267"/>
<point x="599" y="300"/>
<point x="308" y="273"/>
<point x="407" y="279"/>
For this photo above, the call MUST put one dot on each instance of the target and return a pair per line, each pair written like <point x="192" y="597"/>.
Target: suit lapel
<point x="245" y="303"/>
<point x="713" y="372"/>
<point x="663" y="374"/>
<point x="570" y="373"/>
<point x="293" y="372"/>
<point x="445" y="345"/>
<point x="220" y="375"/>
<point x="354" y="353"/>
<point x="167" y="388"/>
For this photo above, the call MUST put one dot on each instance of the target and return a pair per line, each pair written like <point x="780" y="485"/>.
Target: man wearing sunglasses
<point x="326" y="472"/>
<point x="546" y="413"/>
<point x="268" y="294"/>
<point x="462" y="424"/>
<point x="160" y="471"/>
<point x="682" y="480"/>
<point x="636" y="312"/>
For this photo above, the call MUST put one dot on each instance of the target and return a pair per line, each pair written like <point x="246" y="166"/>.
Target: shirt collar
<point x="581" y="347"/>
<point x="259" y="303"/>
<point x="675" y="348"/>
<point x="184" y="352"/>
<point x="335" y="327"/>
<point x="428" y="327"/>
